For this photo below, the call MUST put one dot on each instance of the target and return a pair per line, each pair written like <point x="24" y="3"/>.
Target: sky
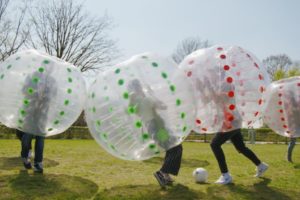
<point x="265" y="27"/>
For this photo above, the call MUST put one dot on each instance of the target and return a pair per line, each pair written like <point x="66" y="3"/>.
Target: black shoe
<point x="38" y="168"/>
<point x="27" y="163"/>
<point x="160" y="179"/>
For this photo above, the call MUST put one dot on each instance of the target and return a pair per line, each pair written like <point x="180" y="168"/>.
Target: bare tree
<point x="187" y="46"/>
<point x="13" y="30"/>
<point x="277" y="62"/>
<point x="63" y="29"/>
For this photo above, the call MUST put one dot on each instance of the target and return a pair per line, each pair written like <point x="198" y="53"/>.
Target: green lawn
<point x="80" y="169"/>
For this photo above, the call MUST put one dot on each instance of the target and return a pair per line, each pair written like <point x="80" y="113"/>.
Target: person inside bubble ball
<point x="38" y="90"/>
<point x="230" y="130"/>
<point x="146" y="108"/>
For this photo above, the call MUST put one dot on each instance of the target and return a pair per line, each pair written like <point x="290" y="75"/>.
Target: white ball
<point x="200" y="175"/>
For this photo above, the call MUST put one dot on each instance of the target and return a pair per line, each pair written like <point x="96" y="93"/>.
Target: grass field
<point x="80" y="169"/>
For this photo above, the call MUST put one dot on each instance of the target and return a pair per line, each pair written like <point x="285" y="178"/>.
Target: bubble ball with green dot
<point x="40" y="94"/>
<point x="140" y="107"/>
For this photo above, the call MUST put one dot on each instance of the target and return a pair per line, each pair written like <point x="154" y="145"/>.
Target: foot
<point x="38" y="168"/>
<point x="168" y="178"/>
<point x="30" y="154"/>
<point x="261" y="169"/>
<point x="224" y="179"/>
<point x="160" y="178"/>
<point x="26" y="163"/>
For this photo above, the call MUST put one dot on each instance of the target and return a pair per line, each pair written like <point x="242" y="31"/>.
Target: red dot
<point x="298" y="84"/>
<point x="219" y="48"/>
<point x="243" y="114"/>
<point x="226" y="67"/>
<point x="189" y="74"/>
<point x="262" y="89"/>
<point x="284" y="126"/>
<point x="198" y="121"/>
<point x="279" y="102"/>
<point x="279" y="94"/>
<point x="204" y="129"/>
<point x="229" y="79"/>
<point x="191" y="62"/>
<point x="282" y="119"/>
<point x="233" y="64"/>
<point x="260" y="77"/>
<point x="231" y="118"/>
<point x="238" y="73"/>
<point x="256" y="65"/>
<point x="281" y="111"/>
<point x="222" y="56"/>
<point x="231" y="107"/>
<point x="231" y="94"/>
<point x="260" y="102"/>
<point x="255" y="114"/>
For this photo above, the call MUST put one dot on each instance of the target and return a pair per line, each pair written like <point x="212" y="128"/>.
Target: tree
<point x="187" y="46"/>
<point x="63" y="29"/>
<point x="277" y="62"/>
<point x="13" y="30"/>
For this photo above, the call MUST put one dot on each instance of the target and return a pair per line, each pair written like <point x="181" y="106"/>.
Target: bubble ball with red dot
<point x="282" y="107"/>
<point x="140" y="107"/>
<point x="40" y="94"/>
<point x="228" y="82"/>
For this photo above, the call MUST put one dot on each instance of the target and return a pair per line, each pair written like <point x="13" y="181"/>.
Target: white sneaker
<point x="260" y="169"/>
<point x="30" y="154"/>
<point x="224" y="179"/>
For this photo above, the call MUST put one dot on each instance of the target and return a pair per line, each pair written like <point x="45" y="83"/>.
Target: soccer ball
<point x="200" y="175"/>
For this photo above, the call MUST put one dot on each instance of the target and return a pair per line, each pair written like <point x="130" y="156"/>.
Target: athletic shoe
<point x="30" y="154"/>
<point x="38" y="167"/>
<point x="160" y="178"/>
<point x="224" y="179"/>
<point x="168" y="178"/>
<point x="260" y="169"/>
<point x="26" y="163"/>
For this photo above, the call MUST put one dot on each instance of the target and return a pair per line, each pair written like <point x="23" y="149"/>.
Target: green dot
<point x="20" y="121"/>
<point x="18" y="58"/>
<point x="69" y="70"/>
<point x="138" y="124"/>
<point x="121" y="82"/>
<point x="154" y="64"/>
<point x="2" y="76"/>
<point x="93" y="95"/>
<point x="111" y="109"/>
<point x="98" y="122"/>
<point x="106" y="98"/>
<point x="46" y="62"/>
<point x="125" y="95"/>
<point x="69" y="90"/>
<point x="50" y="129"/>
<point x="157" y="152"/>
<point x="164" y="75"/>
<point x="56" y="122"/>
<point x="131" y="109"/>
<point x="41" y="69"/>
<point x="9" y="66"/>
<point x="145" y="136"/>
<point x="182" y="115"/>
<point x="152" y="146"/>
<point x="70" y="80"/>
<point x="94" y="109"/>
<point x="103" y="136"/>
<point x="113" y="147"/>
<point x="35" y="80"/>
<point x="172" y="88"/>
<point x="30" y="90"/>
<point x="62" y="113"/>
<point x="117" y="71"/>
<point x="178" y="102"/>
<point x="66" y="102"/>
<point x="184" y="128"/>
<point x="26" y="102"/>
<point x="22" y="112"/>
<point x="162" y="135"/>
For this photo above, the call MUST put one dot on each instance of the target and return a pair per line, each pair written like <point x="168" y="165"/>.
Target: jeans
<point x="38" y="147"/>
<point x="172" y="160"/>
<point x="291" y="146"/>
<point x="237" y="139"/>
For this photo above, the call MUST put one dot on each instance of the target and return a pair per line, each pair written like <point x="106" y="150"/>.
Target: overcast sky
<point x="264" y="27"/>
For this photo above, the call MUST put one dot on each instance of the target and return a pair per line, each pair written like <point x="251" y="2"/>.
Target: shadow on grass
<point x="259" y="190"/>
<point x="184" y="162"/>
<point x="297" y="166"/>
<point x="149" y="192"/>
<point x="12" y="163"/>
<point x="47" y="186"/>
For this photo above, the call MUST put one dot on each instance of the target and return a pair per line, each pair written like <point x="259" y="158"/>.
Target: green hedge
<point x="79" y="132"/>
